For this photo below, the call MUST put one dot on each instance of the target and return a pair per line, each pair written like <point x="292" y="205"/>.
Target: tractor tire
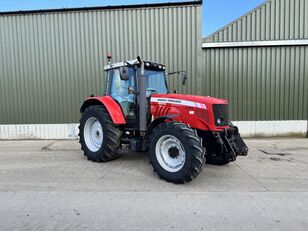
<point x="176" y="152"/>
<point x="100" y="138"/>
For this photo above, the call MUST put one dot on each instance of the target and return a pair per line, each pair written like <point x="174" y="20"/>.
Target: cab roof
<point x="147" y="65"/>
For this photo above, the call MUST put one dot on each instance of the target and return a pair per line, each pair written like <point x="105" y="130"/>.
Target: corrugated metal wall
<point x="50" y="62"/>
<point x="265" y="83"/>
<point x="273" y="20"/>
<point x="262" y="83"/>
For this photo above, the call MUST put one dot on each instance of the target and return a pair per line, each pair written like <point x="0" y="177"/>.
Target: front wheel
<point x="176" y="152"/>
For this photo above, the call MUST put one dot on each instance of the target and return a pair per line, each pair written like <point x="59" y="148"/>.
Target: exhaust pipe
<point x="142" y="98"/>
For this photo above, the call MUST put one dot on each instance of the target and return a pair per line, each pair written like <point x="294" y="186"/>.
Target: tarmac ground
<point x="50" y="185"/>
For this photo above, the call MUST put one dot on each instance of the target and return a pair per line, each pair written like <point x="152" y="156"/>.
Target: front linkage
<point x="224" y="146"/>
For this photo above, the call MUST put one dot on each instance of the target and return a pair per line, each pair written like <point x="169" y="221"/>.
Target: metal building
<point x="260" y="63"/>
<point x="50" y="60"/>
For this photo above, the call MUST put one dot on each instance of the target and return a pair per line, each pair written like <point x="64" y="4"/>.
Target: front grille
<point x="221" y="113"/>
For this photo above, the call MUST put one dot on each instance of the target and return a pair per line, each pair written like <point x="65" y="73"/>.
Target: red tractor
<point x="180" y="132"/>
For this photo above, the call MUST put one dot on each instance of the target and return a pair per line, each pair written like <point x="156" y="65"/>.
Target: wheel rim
<point x="170" y="153"/>
<point x="93" y="134"/>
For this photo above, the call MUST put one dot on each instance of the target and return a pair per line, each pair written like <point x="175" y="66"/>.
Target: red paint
<point x="112" y="107"/>
<point x="202" y="119"/>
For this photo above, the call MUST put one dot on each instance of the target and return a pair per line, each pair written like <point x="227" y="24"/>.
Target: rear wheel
<point x="176" y="152"/>
<point x="99" y="136"/>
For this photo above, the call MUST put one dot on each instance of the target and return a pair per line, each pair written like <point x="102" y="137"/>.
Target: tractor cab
<point x="122" y="84"/>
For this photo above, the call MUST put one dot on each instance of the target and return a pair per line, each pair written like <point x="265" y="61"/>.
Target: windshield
<point x="119" y="89"/>
<point x="156" y="81"/>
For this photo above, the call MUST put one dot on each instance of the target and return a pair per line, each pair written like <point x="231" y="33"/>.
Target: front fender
<point x="160" y="120"/>
<point x="110" y="104"/>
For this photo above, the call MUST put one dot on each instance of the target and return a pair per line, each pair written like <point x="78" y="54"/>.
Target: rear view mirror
<point x="124" y="73"/>
<point x="184" y="77"/>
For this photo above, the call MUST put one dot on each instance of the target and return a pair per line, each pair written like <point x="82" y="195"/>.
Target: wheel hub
<point x="93" y="134"/>
<point x="173" y="152"/>
<point x="170" y="153"/>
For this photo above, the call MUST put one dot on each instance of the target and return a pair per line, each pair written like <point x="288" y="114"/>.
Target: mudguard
<point x="110" y="104"/>
<point x="159" y="120"/>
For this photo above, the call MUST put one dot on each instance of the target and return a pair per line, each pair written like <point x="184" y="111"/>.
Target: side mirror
<point x="184" y="78"/>
<point x="124" y="73"/>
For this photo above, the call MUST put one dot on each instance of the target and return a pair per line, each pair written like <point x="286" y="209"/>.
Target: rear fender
<point x="110" y="104"/>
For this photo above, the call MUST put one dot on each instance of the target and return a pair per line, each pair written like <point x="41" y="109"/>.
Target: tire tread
<point x="111" y="143"/>
<point x="196" y="151"/>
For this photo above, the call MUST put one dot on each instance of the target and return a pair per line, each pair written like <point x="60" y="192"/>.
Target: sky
<point x="215" y="13"/>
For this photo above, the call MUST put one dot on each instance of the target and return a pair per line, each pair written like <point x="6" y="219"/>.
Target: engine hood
<point x="191" y="98"/>
<point x="200" y="112"/>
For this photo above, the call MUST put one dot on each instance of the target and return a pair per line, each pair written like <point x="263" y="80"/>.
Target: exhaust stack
<point x="142" y="98"/>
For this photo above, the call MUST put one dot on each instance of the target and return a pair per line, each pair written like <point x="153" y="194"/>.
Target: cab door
<point x="118" y="90"/>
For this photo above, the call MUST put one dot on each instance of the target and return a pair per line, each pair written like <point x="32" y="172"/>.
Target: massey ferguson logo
<point x="178" y="102"/>
<point x="168" y="100"/>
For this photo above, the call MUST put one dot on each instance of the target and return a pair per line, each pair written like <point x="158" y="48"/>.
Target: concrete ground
<point x="49" y="185"/>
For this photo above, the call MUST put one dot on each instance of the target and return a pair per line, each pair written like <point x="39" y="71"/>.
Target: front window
<point x="118" y="89"/>
<point x="156" y="81"/>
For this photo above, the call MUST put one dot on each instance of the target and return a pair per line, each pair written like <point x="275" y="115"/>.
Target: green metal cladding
<point x="50" y="61"/>
<point x="261" y="83"/>
<point x="267" y="82"/>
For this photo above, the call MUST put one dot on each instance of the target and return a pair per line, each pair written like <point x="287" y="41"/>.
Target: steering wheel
<point x="149" y="91"/>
